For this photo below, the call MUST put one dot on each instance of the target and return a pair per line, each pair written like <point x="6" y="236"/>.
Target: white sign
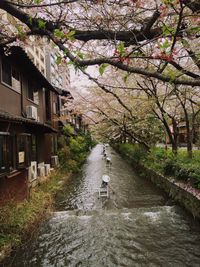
<point x="21" y="156"/>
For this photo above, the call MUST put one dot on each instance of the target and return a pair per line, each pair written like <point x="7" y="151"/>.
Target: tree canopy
<point x="156" y="38"/>
<point x="152" y="46"/>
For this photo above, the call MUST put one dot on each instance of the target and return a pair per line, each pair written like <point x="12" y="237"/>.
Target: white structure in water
<point x="108" y="160"/>
<point x="104" y="190"/>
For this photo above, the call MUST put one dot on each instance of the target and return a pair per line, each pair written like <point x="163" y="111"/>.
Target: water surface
<point x="134" y="227"/>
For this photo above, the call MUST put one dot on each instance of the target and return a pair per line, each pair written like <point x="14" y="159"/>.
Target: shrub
<point x="135" y="152"/>
<point x="71" y="165"/>
<point x="77" y="145"/>
<point x="64" y="155"/>
<point x="74" y="151"/>
<point x="194" y="178"/>
<point x="139" y="153"/>
<point x="182" y="173"/>
<point x="180" y="166"/>
<point x="19" y="219"/>
<point x="68" y="130"/>
<point x="158" y="153"/>
<point x="170" y="166"/>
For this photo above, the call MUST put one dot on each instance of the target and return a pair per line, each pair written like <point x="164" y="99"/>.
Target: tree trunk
<point x="172" y="137"/>
<point x="175" y="135"/>
<point x="189" y="138"/>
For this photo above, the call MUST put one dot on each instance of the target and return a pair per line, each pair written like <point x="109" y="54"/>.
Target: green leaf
<point x="70" y="63"/>
<point x="37" y="1"/>
<point x="102" y="68"/>
<point x="125" y="77"/>
<point x="30" y="20"/>
<point x="168" y="30"/>
<point x="59" y="34"/>
<point x="58" y="60"/>
<point x="185" y="43"/>
<point x="80" y="55"/>
<point x="165" y="45"/>
<point x="71" y="33"/>
<point x="71" y="38"/>
<point x="194" y="29"/>
<point x="20" y="30"/>
<point x="172" y="73"/>
<point x="41" y="24"/>
<point x="121" y="48"/>
<point x="168" y="2"/>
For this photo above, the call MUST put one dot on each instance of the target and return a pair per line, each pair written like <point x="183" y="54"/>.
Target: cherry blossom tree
<point x="130" y="119"/>
<point x="142" y="37"/>
<point x="155" y="40"/>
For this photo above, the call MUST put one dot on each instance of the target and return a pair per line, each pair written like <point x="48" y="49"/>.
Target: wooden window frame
<point x="30" y="88"/>
<point x="12" y="78"/>
<point x="6" y="154"/>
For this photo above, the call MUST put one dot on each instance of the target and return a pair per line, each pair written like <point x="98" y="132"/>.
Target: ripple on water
<point x="127" y="237"/>
<point x="126" y="230"/>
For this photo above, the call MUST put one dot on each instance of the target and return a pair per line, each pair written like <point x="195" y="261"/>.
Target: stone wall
<point x="182" y="196"/>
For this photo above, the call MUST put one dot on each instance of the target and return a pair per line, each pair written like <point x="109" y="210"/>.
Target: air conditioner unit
<point x="54" y="161"/>
<point x="31" y="112"/>
<point x="41" y="164"/>
<point x="32" y="171"/>
<point x="41" y="171"/>
<point x="47" y="169"/>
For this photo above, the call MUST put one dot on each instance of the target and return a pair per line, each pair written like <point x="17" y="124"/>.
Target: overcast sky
<point x="80" y="81"/>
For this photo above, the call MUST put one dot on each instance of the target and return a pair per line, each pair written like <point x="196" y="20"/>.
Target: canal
<point x="136" y="226"/>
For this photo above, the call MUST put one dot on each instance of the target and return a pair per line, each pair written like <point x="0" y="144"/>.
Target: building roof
<point x="17" y="54"/>
<point x="63" y="92"/>
<point x="5" y="116"/>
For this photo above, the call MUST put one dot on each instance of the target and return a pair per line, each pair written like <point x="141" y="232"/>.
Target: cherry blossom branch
<point x="133" y="36"/>
<point x="41" y="5"/>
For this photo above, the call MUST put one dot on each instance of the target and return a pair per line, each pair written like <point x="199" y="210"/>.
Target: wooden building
<point x="28" y="132"/>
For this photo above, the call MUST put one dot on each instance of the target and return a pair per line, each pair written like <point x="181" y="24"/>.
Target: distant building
<point x="37" y="55"/>
<point x="57" y="74"/>
<point x="45" y="57"/>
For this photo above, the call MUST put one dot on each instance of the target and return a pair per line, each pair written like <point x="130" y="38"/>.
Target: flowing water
<point x="134" y="227"/>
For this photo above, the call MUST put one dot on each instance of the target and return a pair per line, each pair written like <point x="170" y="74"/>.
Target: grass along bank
<point x="177" y="175"/>
<point x="179" y="167"/>
<point x="19" y="220"/>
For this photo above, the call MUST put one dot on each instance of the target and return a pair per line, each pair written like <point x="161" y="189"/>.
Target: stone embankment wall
<point x="181" y="192"/>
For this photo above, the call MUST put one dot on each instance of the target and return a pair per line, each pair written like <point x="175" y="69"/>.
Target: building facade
<point x="28" y="133"/>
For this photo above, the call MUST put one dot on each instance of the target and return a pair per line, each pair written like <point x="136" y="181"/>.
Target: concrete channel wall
<point x="182" y="196"/>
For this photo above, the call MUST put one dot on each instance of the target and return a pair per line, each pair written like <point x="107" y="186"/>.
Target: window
<point x="43" y="71"/>
<point x="32" y="93"/>
<point x="14" y="152"/>
<point x="37" y="52"/>
<point x="10" y="75"/>
<point x="57" y="83"/>
<point x="55" y="107"/>
<point x="5" y="153"/>
<point x="16" y="80"/>
<point x="33" y="148"/>
<point x="6" y="72"/>
<point x="52" y="59"/>
<point x="55" y="144"/>
<point x="23" y="150"/>
<point x="42" y="58"/>
<point x="48" y="105"/>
